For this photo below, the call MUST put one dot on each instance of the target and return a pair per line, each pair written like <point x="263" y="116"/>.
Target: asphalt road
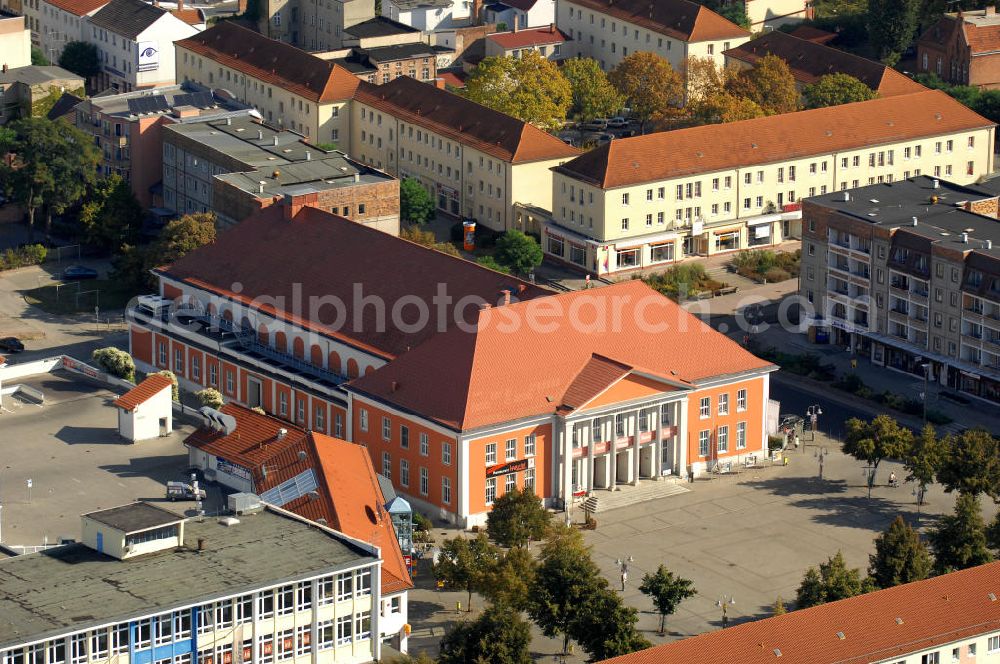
<point x="796" y="400"/>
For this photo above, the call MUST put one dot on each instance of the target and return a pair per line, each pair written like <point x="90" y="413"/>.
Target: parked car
<point x="183" y="491"/>
<point x="11" y="345"/>
<point x="617" y="122"/>
<point x="78" y="272"/>
<point x="604" y="138"/>
<point x="597" y="124"/>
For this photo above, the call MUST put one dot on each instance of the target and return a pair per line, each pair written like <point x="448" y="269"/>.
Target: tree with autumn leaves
<point x="530" y="88"/>
<point x="652" y="88"/>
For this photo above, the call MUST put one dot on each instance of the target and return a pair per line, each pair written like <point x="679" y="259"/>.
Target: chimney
<point x="393" y="386"/>
<point x="260" y="135"/>
<point x="308" y="156"/>
<point x="505" y="297"/>
<point x="180" y="5"/>
<point x="989" y="244"/>
<point x="292" y="207"/>
<point x="275" y="141"/>
<point x="847" y="196"/>
<point x="521" y="288"/>
<point x="516" y="22"/>
<point x="5" y="67"/>
<point x="229" y="121"/>
<point x="201" y="544"/>
<point x="552" y="28"/>
<point x="965" y="238"/>
<point x="282" y="433"/>
<point x="914" y="221"/>
<point x="990" y="10"/>
<point x="937" y="184"/>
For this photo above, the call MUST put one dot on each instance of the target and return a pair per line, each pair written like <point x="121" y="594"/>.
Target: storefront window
<point x="555" y="245"/>
<point x="727" y="241"/>
<point x="661" y="253"/>
<point x="628" y="258"/>
<point x="577" y="254"/>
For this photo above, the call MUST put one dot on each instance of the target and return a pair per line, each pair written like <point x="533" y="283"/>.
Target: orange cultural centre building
<point x="462" y="382"/>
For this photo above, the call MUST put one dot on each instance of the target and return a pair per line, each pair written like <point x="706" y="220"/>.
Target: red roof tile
<point x="275" y="62"/>
<point x="883" y="626"/>
<point x="325" y="256"/>
<point x="455" y="79"/>
<point x="478" y="380"/>
<point x="528" y="37"/>
<point x="813" y="34"/>
<point x="189" y="16"/>
<point x="144" y="391"/>
<point x="465" y="121"/>
<point x="78" y="7"/>
<point x="630" y="161"/>
<point x="681" y="19"/>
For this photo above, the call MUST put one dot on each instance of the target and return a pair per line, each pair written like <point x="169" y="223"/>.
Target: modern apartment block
<point x="908" y="275"/>
<point x="238" y="166"/>
<point x="948" y="618"/>
<point x="651" y="200"/>
<point x="148" y="586"/>
<point x="675" y="29"/>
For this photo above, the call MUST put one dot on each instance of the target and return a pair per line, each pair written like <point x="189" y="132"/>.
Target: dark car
<point x="78" y="272"/>
<point x="11" y="345"/>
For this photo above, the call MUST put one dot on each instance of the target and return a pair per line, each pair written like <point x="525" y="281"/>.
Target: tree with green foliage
<point x="892" y="25"/>
<point x="900" y="557"/>
<point x="993" y="533"/>
<point x="53" y="164"/>
<point x="517" y="517"/>
<point x="210" y="397"/>
<point x="702" y="77"/>
<point x="520" y="252"/>
<point x="722" y="107"/>
<point x="115" y="361"/>
<point x="530" y="88"/>
<point x="778" y="608"/>
<point x="112" y="216"/>
<point x="566" y="580"/>
<point x="38" y="58"/>
<point x="871" y="442"/>
<point x="509" y="581"/>
<point x="415" y="203"/>
<point x="605" y="627"/>
<point x="593" y="94"/>
<point x="180" y="236"/>
<point x="959" y="540"/>
<point x="491" y="263"/>
<point x="653" y="89"/>
<point x="769" y="84"/>
<point x="464" y="563"/>
<point x="175" y="393"/>
<point x="81" y="58"/>
<point x="971" y="463"/>
<point x="924" y="459"/>
<point x="836" y="89"/>
<point x="831" y="582"/>
<point x="667" y="592"/>
<point x="498" y="636"/>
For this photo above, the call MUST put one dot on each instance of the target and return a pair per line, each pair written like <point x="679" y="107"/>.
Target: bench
<point x="728" y="290"/>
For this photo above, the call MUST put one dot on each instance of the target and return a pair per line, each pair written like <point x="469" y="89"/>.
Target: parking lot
<point x="70" y="450"/>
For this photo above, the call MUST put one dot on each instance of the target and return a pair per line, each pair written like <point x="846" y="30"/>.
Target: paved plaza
<point x="749" y="536"/>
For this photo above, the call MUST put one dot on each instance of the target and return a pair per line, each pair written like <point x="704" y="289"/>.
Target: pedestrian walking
<point x="624" y="579"/>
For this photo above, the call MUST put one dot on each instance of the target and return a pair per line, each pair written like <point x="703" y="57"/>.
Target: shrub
<point x="174" y="390"/>
<point x="115" y="361"/>
<point x="30" y="254"/>
<point x="682" y="280"/>
<point x="764" y="264"/>
<point x="210" y="397"/>
<point x="776" y="274"/>
<point x="491" y="263"/>
<point x="259" y="410"/>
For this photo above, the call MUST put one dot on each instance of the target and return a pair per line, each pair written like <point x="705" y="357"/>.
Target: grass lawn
<point x="63" y="299"/>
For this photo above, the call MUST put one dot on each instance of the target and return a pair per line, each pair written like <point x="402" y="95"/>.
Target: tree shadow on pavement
<point x="799" y="486"/>
<point x="873" y="513"/>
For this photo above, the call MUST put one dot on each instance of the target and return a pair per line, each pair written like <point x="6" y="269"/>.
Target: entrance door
<point x="600" y="471"/>
<point x="253" y="392"/>
<point x="164" y="431"/>
<point x="622" y="475"/>
<point x="646" y="461"/>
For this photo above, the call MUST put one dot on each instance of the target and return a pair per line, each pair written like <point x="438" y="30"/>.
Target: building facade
<point x="735" y="186"/>
<point x="313" y="26"/>
<point x="549" y="42"/>
<point x="303" y="591"/>
<point x="15" y="42"/>
<point x="673" y="29"/>
<point x="23" y="87"/>
<point x="911" y="282"/>
<point x="58" y="22"/>
<point x="431" y="15"/>
<point x="961" y="48"/>
<point x="774" y="13"/>
<point x="520" y="13"/>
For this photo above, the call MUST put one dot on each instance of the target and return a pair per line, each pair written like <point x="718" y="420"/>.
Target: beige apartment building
<point x="651" y="200"/>
<point x="290" y="88"/>
<point x="475" y="162"/>
<point x="908" y="275"/>
<point x="675" y="29"/>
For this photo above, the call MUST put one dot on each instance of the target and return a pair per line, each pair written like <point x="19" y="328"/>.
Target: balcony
<point x="972" y="334"/>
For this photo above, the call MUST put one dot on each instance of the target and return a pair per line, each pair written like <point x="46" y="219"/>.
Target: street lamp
<point x="869" y="478"/>
<point x="813" y="412"/>
<point x="821" y="454"/>
<point x="724" y="603"/>
<point x="623" y="568"/>
<point x="918" y="493"/>
<point x="926" y="366"/>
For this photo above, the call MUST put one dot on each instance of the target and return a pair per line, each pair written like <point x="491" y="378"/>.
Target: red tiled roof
<point x="528" y="37"/>
<point x="349" y="499"/>
<point x="78" y="7"/>
<point x="455" y="79"/>
<point x="813" y="34"/>
<point x="465" y="121"/>
<point x="681" y="19"/>
<point x="325" y="256"/>
<point x="629" y="161"/>
<point x="982" y="38"/>
<point x="481" y="378"/>
<point x="275" y="62"/>
<point x="144" y="391"/>
<point x="809" y="60"/>
<point x="882" y="626"/>
<point x="189" y="16"/>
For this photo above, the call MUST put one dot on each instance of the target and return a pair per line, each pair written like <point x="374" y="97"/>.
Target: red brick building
<point x="963" y="48"/>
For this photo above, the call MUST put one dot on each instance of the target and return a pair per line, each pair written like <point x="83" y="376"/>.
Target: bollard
<point x="458" y="606"/>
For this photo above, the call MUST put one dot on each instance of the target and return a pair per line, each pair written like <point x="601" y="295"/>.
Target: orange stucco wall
<point x="478" y="467"/>
<point x="753" y="416"/>
<point x="628" y="388"/>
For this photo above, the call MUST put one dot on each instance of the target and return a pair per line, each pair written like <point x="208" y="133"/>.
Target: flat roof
<point x="135" y="517"/>
<point x="160" y="101"/>
<point x="248" y="140"/>
<point x="74" y="588"/>
<point x="895" y="204"/>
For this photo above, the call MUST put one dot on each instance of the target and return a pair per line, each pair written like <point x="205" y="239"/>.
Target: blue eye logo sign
<point x="149" y="56"/>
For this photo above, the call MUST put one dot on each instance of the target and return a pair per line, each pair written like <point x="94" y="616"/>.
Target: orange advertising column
<point x="469" y="235"/>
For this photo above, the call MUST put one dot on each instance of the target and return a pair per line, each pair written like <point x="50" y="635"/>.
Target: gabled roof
<point x="522" y="5"/>
<point x="810" y="60"/>
<point x="528" y="37"/>
<point x="465" y="121"/>
<point x="813" y="34"/>
<point x="882" y="626"/>
<point x="189" y="16"/>
<point x="144" y="391"/>
<point x="680" y="19"/>
<point x="772" y="139"/>
<point x="347" y="497"/>
<point x="478" y="381"/>
<point x="326" y="255"/>
<point x="64" y="106"/>
<point x="379" y="26"/>
<point x="128" y="18"/>
<point x="77" y="7"/>
<point x="272" y="61"/>
<point x="979" y="29"/>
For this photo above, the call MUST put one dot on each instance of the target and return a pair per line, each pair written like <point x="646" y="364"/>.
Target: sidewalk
<point x="879" y="379"/>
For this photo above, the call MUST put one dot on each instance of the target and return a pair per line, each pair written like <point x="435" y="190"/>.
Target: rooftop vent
<point x="899" y="621"/>
<point x="229" y="121"/>
<point x="228" y="521"/>
<point x="308" y="156"/>
<point x="275" y="140"/>
<point x="218" y="420"/>
<point x="777" y="652"/>
<point x="847" y="196"/>
<point x="260" y="135"/>
<point x="302" y="455"/>
<point x="914" y="221"/>
<point x="992" y="597"/>
<point x="937" y="183"/>
<point x="873" y="200"/>
<point x="840" y="635"/>
<point x="282" y="433"/>
<point x="965" y="238"/>
<point x="988" y="244"/>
